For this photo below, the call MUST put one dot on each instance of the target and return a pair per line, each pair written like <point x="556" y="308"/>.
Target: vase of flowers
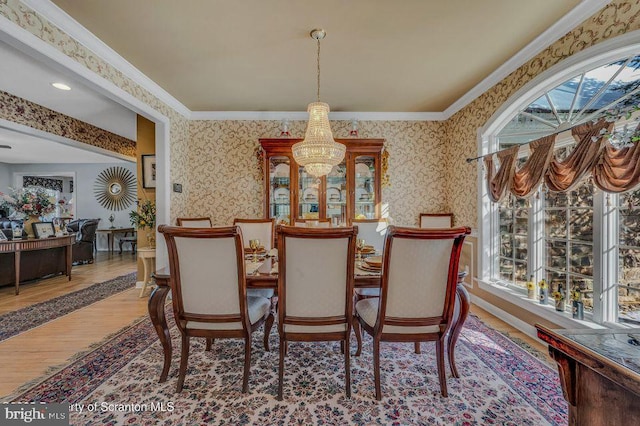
<point x="558" y="296"/>
<point x="531" y="288"/>
<point x="31" y="203"/>
<point x="145" y="218"/>
<point x="544" y="292"/>
<point x="577" y="305"/>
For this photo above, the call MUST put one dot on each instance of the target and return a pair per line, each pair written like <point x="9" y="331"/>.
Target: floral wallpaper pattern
<point x="227" y="183"/>
<point x="427" y="159"/>
<point x="461" y="140"/>
<point x="47" y="183"/>
<point x="22" y="111"/>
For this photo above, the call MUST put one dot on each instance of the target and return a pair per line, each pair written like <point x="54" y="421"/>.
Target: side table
<point x="148" y="256"/>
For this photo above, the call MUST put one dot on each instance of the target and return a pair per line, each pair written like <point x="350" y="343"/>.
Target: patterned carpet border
<point x="530" y="379"/>
<point x="21" y="320"/>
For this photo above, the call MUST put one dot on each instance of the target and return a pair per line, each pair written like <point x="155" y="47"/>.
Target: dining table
<point x="264" y="274"/>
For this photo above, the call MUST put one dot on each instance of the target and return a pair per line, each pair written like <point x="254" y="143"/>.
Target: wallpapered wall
<point x="18" y="110"/>
<point x="420" y="182"/>
<point x="461" y="137"/>
<point x="225" y="181"/>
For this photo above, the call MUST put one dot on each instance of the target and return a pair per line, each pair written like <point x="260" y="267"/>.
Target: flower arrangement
<point x="30" y="201"/>
<point x="530" y="285"/>
<point x="542" y="285"/>
<point x="557" y="295"/>
<point x="576" y="295"/>
<point x="145" y="216"/>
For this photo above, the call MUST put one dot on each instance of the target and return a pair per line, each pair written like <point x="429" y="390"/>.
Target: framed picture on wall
<point x="148" y="171"/>
<point x="43" y="229"/>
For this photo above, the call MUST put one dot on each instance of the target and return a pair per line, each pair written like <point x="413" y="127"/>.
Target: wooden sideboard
<point x="599" y="373"/>
<point x="18" y="246"/>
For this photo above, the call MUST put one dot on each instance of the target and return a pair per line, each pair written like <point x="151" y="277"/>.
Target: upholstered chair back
<point x="315" y="272"/>
<point x="420" y="274"/>
<point x="436" y="220"/>
<point x="207" y="271"/>
<point x="194" y="222"/>
<point x="311" y="223"/>
<point x="257" y="229"/>
<point x="373" y="231"/>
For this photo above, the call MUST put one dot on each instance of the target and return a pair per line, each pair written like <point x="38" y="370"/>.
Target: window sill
<point x="562" y="319"/>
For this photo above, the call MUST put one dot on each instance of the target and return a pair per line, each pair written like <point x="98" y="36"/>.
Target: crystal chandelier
<point x="318" y="152"/>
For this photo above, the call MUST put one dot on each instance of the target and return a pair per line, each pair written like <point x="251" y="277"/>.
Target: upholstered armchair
<point x="209" y="290"/>
<point x="85" y="230"/>
<point x="258" y="229"/>
<point x="194" y="222"/>
<point x="315" y="289"/>
<point x="417" y="295"/>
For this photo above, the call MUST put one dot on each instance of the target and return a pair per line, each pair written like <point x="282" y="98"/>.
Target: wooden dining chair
<point x="315" y="289"/>
<point x="209" y="290"/>
<point x="257" y="229"/>
<point x="194" y="222"/>
<point x="417" y="294"/>
<point x="313" y="223"/>
<point x="373" y="231"/>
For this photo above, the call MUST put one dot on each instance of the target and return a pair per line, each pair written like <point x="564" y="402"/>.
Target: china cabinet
<point x="351" y="190"/>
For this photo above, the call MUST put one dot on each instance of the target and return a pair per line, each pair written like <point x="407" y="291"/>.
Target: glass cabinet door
<point x="365" y="193"/>
<point x="280" y="189"/>
<point x="336" y="195"/>
<point x="308" y="195"/>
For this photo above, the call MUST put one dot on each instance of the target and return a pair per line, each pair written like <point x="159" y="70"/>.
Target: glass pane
<point x="581" y="225"/>
<point x="557" y="255"/>
<point x="365" y="207"/>
<point x="629" y="267"/>
<point x="280" y="187"/>
<point x="562" y="97"/>
<point x="506" y="245"/>
<point x="629" y="303"/>
<point x="337" y="195"/>
<point x="556" y="199"/>
<point x="581" y="259"/>
<point x="521" y="274"/>
<point x="308" y="193"/>
<point x="582" y="196"/>
<point x="555" y="223"/>
<point x="557" y="281"/>
<point x="506" y="269"/>
<point x="586" y="288"/>
<point x="520" y="246"/>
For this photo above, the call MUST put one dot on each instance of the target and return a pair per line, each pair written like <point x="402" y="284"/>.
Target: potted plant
<point x="558" y="296"/>
<point x="145" y="218"/>
<point x="531" y="288"/>
<point x="31" y="203"/>
<point x="577" y="306"/>
<point x="544" y="292"/>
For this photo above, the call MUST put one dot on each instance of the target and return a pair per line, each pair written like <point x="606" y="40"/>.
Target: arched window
<point x="568" y="238"/>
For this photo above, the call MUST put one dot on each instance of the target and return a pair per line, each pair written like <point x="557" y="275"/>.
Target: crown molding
<point x="304" y="116"/>
<point x="66" y="23"/>
<point x="568" y="22"/>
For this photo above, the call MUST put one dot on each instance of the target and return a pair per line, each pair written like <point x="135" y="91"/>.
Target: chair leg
<point x="209" y="341"/>
<point x="267" y="330"/>
<point x="416" y="346"/>
<point x="247" y="363"/>
<point x="441" y="368"/>
<point x="342" y="346"/>
<point x="347" y="366"/>
<point x="356" y="330"/>
<point x="283" y="346"/>
<point x="376" y="368"/>
<point x="184" y="361"/>
<point x="452" y="361"/>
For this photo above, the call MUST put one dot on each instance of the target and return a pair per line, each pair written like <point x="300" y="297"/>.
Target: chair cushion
<point x="258" y="307"/>
<point x="368" y="292"/>
<point x="292" y="328"/>
<point x="260" y="292"/>
<point x="367" y="309"/>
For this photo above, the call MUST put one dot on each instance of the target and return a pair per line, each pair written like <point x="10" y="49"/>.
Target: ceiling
<point x="27" y="149"/>
<point x="256" y="55"/>
<point x="28" y="78"/>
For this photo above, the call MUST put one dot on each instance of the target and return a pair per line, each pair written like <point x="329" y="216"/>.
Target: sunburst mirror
<point x="115" y="188"/>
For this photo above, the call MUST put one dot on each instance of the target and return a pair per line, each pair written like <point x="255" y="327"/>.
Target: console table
<point x="599" y="373"/>
<point x="18" y="246"/>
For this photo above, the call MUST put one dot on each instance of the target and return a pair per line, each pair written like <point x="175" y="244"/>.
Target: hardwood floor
<point x="29" y="355"/>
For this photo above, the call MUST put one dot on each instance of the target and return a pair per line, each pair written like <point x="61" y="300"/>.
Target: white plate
<point x="310" y="194"/>
<point x="281" y="170"/>
<point x="281" y="195"/>
<point x="362" y="170"/>
<point x="333" y="194"/>
<point x="362" y="195"/>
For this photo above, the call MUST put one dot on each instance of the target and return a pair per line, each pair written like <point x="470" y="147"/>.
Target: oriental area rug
<point x="117" y="383"/>
<point x="21" y="320"/>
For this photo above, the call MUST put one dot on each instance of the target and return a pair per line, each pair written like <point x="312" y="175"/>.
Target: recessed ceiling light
<point x="61" y="86"/>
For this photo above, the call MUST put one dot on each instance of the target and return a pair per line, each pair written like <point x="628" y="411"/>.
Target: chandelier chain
<point x="318" y="70"/>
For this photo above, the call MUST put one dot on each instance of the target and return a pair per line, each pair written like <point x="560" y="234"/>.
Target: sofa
<point x="85" y="230"/>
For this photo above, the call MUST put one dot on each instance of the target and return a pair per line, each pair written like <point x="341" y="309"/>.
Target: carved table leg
<point x="462" y="309"/>
<point x="156" y="312"/>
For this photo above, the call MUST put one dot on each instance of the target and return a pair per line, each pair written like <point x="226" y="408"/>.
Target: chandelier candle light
<point x="318" y="153"/>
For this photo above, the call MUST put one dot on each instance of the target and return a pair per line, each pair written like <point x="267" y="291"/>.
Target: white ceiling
<point x="25" y="77"/>
<point x="256" y="55"/>
<point x="27" y="149"/>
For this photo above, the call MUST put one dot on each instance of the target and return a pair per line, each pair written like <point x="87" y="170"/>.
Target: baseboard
<point x="513" y="321"/>
<point x="139" y="284"/>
